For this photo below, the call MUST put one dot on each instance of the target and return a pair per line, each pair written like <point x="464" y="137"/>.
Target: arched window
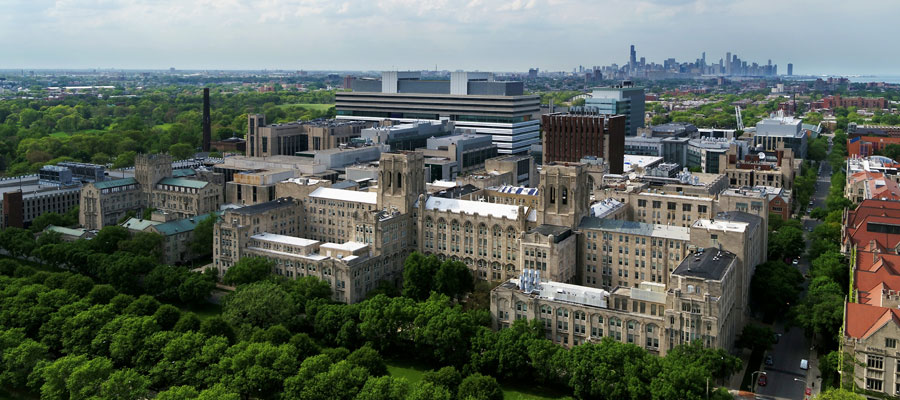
<point x="399" y="181"/>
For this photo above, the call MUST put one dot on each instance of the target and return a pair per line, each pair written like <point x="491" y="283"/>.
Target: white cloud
<point x="482" y="34"/>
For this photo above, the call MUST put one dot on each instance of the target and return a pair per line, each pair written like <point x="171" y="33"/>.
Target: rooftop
<point x="291" y="240"/>
<point x="345" y="195"/>
<point x="347" y="246"/>
<point x="636" y="228"/>
<point x="477" y="207"/>
<point x="515" y="190"/>
<point x="181" y="182"/>
<point x="557" y="291"/>
<point x="66" y="231"/>
<point x="707" y="264"/>
<point x="180" y="226"/>
<point x="605" y="207"/>
<point x="138" y="224"/>
<point x="264" y="207"/>
<point x="862" y="320"/>
<point x="115" y="183"/>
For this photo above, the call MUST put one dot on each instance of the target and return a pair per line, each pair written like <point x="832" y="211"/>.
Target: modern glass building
<point x="620" y="100"/>
<point x="470" y="99"/>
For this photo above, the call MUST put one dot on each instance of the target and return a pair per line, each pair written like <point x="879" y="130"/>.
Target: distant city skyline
<point x="487" y="35"/>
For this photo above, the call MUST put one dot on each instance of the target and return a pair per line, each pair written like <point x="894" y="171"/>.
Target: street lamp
<point x="752" y="376"/>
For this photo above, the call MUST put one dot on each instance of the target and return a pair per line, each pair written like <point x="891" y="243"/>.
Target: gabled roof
<point x="873" y="207"/>
<point x="865" y="261"/>
<point x="182" y="225"/>
<point x="115" y="183"/>
<point x="872" y="284"/>
<point x="866" y="240"/>
<point x="862" y="320"/>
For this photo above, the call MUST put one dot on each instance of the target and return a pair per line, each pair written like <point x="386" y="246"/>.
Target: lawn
<point x="413" y="372"/>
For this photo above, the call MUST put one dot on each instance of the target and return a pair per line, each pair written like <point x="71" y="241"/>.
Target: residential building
<point x="701" y="300"/>
<point x="625" y="253"/>
<point x="625" y="99"/>
<point x="571" y="137"/>
<point x="775" y="169"/>
<point x="834" y="101"/>
<point x="865" y="185"/>
<point x="469" y="99"/>
<point x="751" y="200"/>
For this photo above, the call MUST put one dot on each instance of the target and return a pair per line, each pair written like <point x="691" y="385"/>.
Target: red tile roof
<point x="873" y="207"/>
<point x="871" y="285"/>
<point x="862" y="320"/>
<point x="865" y="261"/>
<point x="859" y="235"/>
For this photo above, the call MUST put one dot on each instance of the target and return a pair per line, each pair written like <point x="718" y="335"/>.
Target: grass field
<point x="414" y="372"/>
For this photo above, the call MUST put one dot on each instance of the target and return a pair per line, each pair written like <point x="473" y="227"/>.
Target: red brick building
<point x="571" y="137"/>
<point x="832" y="102"/>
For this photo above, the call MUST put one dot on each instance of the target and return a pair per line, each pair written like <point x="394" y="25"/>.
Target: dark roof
<point x="457" y="191"/>
<point x="710" y="264"/>
<point x="559" y="233"/>
<point x="344" y="185"/>
<point x="739" y="216"/>
<point x="263" y="207"/>
<point x="115" y="183"/>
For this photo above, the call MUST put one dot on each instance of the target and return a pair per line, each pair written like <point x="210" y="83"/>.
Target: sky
<point x="818" y="37"/>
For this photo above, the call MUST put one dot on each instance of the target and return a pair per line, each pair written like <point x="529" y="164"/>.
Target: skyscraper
<point x="790" y="69"/>
<point x="728" y="63"/>
<point x="633" y="60"/>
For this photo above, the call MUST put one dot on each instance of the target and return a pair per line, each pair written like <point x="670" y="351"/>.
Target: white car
<point x="796" y="261"/>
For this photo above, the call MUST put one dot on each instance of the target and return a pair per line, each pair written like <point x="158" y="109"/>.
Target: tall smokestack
<point x="207" y="128"/>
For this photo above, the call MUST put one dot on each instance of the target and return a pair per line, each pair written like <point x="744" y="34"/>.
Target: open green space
<point x="414" y="372"/>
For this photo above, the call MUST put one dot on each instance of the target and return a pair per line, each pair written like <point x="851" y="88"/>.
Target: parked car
<point x="762" y="380"/>
<point x="804" y="364"/>
<point x="770" y="360"/>
<point x="796" y="261"/>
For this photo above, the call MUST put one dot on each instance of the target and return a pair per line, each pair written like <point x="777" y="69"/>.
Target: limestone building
<point x="104" y="203"/>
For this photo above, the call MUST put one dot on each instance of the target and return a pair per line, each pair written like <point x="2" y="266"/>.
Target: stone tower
<point x="151" y="168"/>
<point x="401" y="179"/>
<point x="564" y="194"/>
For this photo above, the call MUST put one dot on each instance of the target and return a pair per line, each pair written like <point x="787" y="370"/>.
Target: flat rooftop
<point x="264" y="207"/>
<point x="291" y="240"/>
<point x="557" y="291"/>
<point x="636" y="228"/>
<point x="711" y="264"/>
<point x="345" y="195"/>
<point x="477" y="207"/>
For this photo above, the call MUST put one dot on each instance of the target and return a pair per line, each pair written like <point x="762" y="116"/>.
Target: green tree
<point x="384" y="388"/>
<point x="756" y="337"/>
<point x="125" y="159"/>
<point x="181" y="151"/>
<point x="839" y="394"/>
<point x="369" y="359"/>
<point x="611" y="370"/>
<point x="258" y="368"/>
<point x="19" y="361"/>
<point x="418" y="275"/>
<point x="125" y="384"/>
<point x="260" y="304"/>
<point x="429" y="391"/>
<point x="86" y="380"/>
<point x="453" y="279"/>
<point x="447" y="377"/>
<point x="52" y="377"/>
<point x="786" y="242"/>
<point x="477" y="386"/>
<point x="248" y="270"/>
<point x="821" y="311"/>
<point x="202" y="242"/>
<point x="775" y="286"/>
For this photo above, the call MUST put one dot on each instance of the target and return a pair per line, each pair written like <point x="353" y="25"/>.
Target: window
<point x="875" y="362"/>
<point x="873" y="384"/>
<point x="890" y="343"/>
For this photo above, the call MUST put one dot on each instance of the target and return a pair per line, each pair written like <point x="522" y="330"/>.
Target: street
<point x="785" y="378"/>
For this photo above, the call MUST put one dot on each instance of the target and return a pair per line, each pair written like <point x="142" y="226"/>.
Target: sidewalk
<point x="813" y="375"/>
